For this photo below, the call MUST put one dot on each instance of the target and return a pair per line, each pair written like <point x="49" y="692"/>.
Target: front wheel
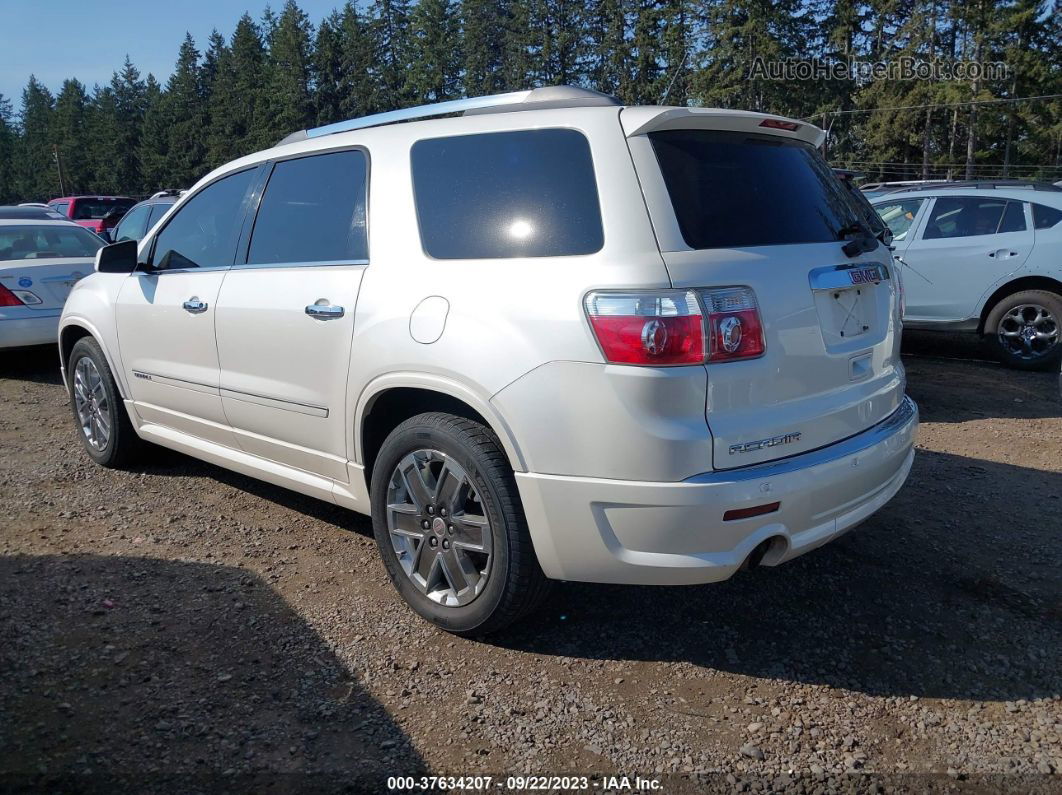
<point x="102" y="421"/>
<point x="1026" y="329"/>
<point x="450" y="528"/>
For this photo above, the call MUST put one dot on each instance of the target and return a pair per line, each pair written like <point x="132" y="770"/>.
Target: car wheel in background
<point x="450" y="528"/>
<point x="102" y="421"/>
<point x="1025" y="329"/>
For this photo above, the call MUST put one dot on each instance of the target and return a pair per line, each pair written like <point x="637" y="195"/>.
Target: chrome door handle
<point x="194" y="305"/>
<point x="325" y="311"/>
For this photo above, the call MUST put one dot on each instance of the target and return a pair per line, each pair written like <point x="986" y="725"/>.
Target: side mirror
<point x="886" y="237"/>
<point x="117" y="257"/>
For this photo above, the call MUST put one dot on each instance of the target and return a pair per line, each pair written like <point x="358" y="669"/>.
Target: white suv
<point x="551" y="338"/>
<point x="983" y="257"/>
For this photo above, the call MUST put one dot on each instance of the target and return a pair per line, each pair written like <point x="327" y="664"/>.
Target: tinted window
<point x="203" y="232"/>
<point x="863" y="205"/>
<point x="61" y="208"/>
<point x="94" y="209"/>
<point x="732" y="189"/>
<point x="157" y="211"/>
<point x="134" y="225"/>
<point x="1013" y="218"/>
<point x="1045" y="217"/>
<point x="530" y="193"/>
<point x="41" y="242"/>
<point x="313" y="210"/>
<point x="964" y="217"/>
<point x="899" y="216"/>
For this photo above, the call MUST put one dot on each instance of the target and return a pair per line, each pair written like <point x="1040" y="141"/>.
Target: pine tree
<point x="154" y="149"/>
<point x="391" y="34"/>
<point x="129" y="96"/>
<point x="36" y="174"/>
<point x="236" y="105"/>
<point x="68" y="133"/>
<point x="435" y="56"/>
<point x="484" y="24"/>
<point x="328" y="69"/>
<point x="183" y="110"/>
<point x="288" y="104"/>
<point x="610" y="51"/>
<point x="103" y="145"/>
<point x="558" y="41"/>
<point x="360" y="91"/>
<point x="8" y="141"/>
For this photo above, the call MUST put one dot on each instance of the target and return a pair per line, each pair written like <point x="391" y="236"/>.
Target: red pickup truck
<point x="98" y="213"/>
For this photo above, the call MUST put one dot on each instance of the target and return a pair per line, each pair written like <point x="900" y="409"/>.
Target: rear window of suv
<point x="732" y="190"/>
<point x="528" y="193"/>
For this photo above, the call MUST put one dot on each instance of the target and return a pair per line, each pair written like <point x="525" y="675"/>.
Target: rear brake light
<point x="8" y="298"/>
<point x="656" y="327"/>
<point x="778" y="124"/>
<point x="735" y="330"/>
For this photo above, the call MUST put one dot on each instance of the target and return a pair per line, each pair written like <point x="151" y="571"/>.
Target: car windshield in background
<point x="45" y="242"/>
<point x="732" y="190"/>
<point x="94" y="209"/>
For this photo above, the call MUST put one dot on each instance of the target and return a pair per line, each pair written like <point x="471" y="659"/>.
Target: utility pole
<point x="59" y="168"/>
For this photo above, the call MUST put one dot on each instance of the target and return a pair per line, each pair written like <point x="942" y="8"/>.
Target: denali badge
<point x="760" y="444"/>
<point x="865" y="275"/>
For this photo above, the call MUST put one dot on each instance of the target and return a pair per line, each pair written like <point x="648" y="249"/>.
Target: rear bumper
<point x="638" y="532"/>
<point x="30" y="327"/>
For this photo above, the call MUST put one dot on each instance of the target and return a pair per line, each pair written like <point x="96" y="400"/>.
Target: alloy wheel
<point x="1028" y="331"/>
<point x="93" y="407"/>
<point x="439" y="528"/>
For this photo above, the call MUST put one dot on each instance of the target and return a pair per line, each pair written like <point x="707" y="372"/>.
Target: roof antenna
<point x="674" y="77"/>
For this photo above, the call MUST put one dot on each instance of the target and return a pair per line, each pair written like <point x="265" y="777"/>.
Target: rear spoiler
<point x="641" y="120"/>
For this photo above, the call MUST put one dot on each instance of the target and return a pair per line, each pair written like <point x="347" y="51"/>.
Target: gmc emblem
<point x="865" y="276"/>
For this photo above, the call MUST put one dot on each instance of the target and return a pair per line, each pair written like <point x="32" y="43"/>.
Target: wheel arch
<point x="394" y="398"/>
<point x="75" y="329"/>
<point x="1016" y="286"/>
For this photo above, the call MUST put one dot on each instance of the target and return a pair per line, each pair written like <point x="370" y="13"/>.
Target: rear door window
<point x="134" y="225"/>
<point x="965" y="216"/>
<point x="313" y="210"/>
<point x="732" y="190"/>
<point x="203" y="233"/>
<point x="1013" y="218"/>
<point x="527" y="193"/>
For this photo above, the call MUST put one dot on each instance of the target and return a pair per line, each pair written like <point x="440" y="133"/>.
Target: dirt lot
<point x="179" y="627"/>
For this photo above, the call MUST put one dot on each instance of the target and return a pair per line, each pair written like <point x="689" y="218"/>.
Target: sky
<point x="89" y="39"/>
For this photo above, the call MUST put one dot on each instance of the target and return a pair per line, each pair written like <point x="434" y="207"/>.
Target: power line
<point x="933" y="105"/>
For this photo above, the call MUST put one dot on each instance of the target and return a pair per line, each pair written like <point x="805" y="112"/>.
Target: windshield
<point x="94" y="209"/>
<point x="732" y="190"/>
<point x="41" y="242"/>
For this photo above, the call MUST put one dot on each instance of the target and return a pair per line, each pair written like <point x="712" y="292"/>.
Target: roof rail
<point x="979" y="184"/>
<point x="530" y="99"/>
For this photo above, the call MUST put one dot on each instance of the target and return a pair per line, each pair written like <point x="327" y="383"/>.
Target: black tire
<point x="122" y="445"/>
<point x="1021" y="359"/>
<point x="515" y="584"/>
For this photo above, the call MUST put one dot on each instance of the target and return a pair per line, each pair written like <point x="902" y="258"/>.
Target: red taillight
<point x="735" y="330"/>
<point x="656" y="327"/>
<point x="778" y="124"/>
<point x="8" y="298"/>
<point x="673" y="327"/>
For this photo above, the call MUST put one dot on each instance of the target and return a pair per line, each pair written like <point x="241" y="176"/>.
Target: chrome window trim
<point x="248" y="266"/>
<point x="903" y="416"/>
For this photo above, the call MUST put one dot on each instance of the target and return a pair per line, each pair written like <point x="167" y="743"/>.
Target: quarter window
<point x="313" y="210"/>
<point x="1045" y="217"/>
<point x="899" y="216"/>
<point x="203" y="232"/>
<point x="528" y="193"/>
<point x="965" y="217"/>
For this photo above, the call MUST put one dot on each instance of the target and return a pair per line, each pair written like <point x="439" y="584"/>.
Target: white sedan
<point x="40" y="260"/>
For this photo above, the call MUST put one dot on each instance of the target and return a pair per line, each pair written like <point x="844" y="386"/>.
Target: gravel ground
<point x="183" y="628"/>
